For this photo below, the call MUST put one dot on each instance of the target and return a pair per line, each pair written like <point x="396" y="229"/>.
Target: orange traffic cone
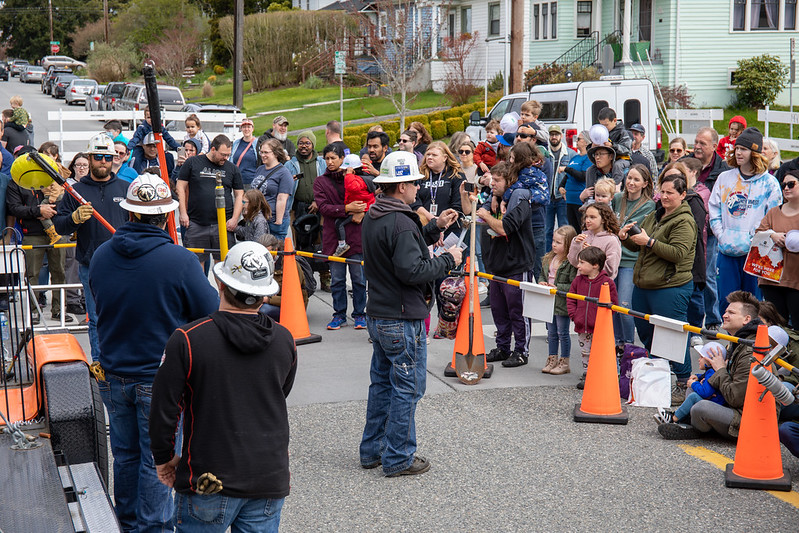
<point x="462" y="335"/>
<point x="601" y="399"/>
<point x="292" y="307"/>
<point x="758" y="458"/>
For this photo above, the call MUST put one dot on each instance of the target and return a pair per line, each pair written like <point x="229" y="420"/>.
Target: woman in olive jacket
<point x="662" y="274"/>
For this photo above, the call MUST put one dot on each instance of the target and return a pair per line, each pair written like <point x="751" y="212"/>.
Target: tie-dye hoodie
<point x="738" y="205"/>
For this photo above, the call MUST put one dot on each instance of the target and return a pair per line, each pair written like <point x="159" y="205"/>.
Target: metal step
<point x="92" y="510"/>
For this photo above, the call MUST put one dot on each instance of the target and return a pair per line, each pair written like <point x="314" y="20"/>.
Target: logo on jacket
<point x="256" y="265"/>
<point x="737" y="203"/>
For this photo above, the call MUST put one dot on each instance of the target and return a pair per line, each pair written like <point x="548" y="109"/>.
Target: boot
<point x="561" y="368"/>
<point x="552" y="361"/>
<point x="324" y="281"/>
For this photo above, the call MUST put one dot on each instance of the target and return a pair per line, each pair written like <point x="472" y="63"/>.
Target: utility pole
<point x="50" y="11"/>
<point x="516" y="46"/>
<point x="238" y="54"/>
<point x="105" y="20"/>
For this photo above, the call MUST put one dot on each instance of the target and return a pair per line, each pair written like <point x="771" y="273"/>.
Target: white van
<point x="574" y="106"/>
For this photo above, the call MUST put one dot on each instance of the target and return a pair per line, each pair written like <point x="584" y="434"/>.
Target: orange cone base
<point x="449" y="372"/>
<point x="310" y="339"/>
<point x="734" y="481"/>
<point x="582" y="416"/>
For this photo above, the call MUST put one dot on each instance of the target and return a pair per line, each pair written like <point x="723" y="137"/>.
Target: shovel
<point x="470" y="367"/>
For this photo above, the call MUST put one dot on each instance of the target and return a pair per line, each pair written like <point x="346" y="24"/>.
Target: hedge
<point x="392" y="137"/>
<point x="437" y="115"/>
<point x="454" y="124"/>
<point x="390" y="125"/>
<point x="438" y="129"/>
<point x="465" y="118"/>
<point x="424" y="119"/>
<point x="352" y="143"/>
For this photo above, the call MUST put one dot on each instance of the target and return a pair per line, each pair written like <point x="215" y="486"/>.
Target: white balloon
<point x="598" y="134"/>
<point x="509" y="122"/>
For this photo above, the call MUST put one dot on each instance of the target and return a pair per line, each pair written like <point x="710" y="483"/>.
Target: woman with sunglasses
<point x="468" y="166"/>
<point x="677" y="149"/>
<point x="407" y="143"/>
<point x="740" y="199"/>
<point x="783" y="220"/>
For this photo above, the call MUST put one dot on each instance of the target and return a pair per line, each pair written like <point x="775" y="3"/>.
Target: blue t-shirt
<point x="573" y="186"/>
<point x="271" y="182"/>
<point x="249" y="162"/>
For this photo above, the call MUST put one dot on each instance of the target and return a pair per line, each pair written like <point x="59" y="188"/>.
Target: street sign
<point x="54" y="48"/>
<point x="341" y="62"/>
<point x="55" y="42"/>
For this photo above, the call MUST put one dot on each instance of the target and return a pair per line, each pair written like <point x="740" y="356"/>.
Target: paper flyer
<point x="765" y="259"/>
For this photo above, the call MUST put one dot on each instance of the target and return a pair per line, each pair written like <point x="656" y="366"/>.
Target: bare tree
<point x="460" y="67"/>
<point x="401" y="43"/>
<point x="177" y="50"/>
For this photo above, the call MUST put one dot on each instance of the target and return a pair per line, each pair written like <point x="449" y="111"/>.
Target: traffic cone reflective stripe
<point x="292" y="306"/>
<point x="601" y="398"/>
<point x="758" y="458"/>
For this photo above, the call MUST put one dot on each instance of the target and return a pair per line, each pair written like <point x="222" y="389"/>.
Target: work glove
<point x="82" y="214"/>
<point x="208" y="484"/>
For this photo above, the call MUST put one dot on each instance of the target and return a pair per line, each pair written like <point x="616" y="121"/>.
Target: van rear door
<point x="633" y="102"/>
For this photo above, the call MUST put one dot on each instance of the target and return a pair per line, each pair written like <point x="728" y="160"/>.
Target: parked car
<point x="135" y="98"/>
<point x="92" y="102"/>
<point x="60" y="84"/>
<point x="62" y="61"/>
<point x="3" y="71"/>
<point x="228" y="126"/>
<point x="52" y="73"/>
<point x="17" y="65"/>
<point x="78" y="89"/>
<point x="32" y="74"/>
<point x="113" y="91"/>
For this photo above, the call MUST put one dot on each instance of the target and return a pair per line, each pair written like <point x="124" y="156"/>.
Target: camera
<point x="468" y="187"/>
<point x="634" y="230"/>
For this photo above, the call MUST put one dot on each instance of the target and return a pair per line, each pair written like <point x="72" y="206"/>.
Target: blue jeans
<point x="280" y="230"/>
<point x="733" y="278"/>
<point x="272" y="311"/>
<point x="91" y="310"/>
<point x="142" y="502"/>
<point x="712" y="315"/>
<point x="398" y="379"/>
<point x="556" y="208"/>
<point x="215" y="513"/>
<point x="540" y="242"/>
<point x="671" y="302"/>
<point x="789" y="436"/>
<point x="338" y="286"/>
<point x="558" y="333"/>
<point x="624" y="325"/>
<point x="684" y="410"/>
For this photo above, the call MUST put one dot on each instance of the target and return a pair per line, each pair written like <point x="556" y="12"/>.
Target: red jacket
<point x="355" y="190"/>
<point x="583" y="313"/>
<point x="483" y="153"/>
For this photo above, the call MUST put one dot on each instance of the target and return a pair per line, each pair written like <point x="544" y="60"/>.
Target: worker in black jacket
<point x="401" y="277"/>
<point x="229" y="374"/>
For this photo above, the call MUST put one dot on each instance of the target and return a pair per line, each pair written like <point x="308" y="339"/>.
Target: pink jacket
<point x="583" y="313"/>
<point x="605" y="241"/>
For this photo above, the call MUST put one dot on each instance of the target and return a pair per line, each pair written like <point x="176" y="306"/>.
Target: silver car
<point x="32" y="74"/>
<point x="78" y="89"/>
<point x="93" y="98"/>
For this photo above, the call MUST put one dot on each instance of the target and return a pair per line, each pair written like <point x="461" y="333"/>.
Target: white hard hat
<point x="598" y="134"/>
<point x="351" y="161"/>
<point x="149" y="195"/>
<point x="792" y="241"/>
<point x="778" y="335"/>
<point x="149" y="139"/>
<point x="399" y="167"/>
<point x="249" y="269"/>
<point x="101" y="144"/>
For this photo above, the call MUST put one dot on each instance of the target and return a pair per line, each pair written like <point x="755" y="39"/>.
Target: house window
<point x="451" y="25"/>
<point x="466" y="19"/>
<point x="645" y="20"/>
<point x="544" y="16"/>
<point x="493" y="19"/>
<point x="584" y="16"/>
<point x="790" y="14"/>
<point x="536" y="22"/>
<point x="553" y="11"/>
<point x="765" y="14"/>
<point x="542" y="22"/>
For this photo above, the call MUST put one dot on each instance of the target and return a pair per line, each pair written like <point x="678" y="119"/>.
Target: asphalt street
<point x="505" y="453"/>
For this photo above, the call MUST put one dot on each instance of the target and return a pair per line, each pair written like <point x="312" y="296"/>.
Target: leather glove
<point x="82" y="214"/>
<point x="208" y="484"/>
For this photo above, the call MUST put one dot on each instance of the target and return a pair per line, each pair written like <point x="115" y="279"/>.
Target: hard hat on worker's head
<point x="149" y="139"/>
<point x="101" y="144"/>
<point x="399" y="167"/>
<point x="351" y="161"/>
<point x="248" y="271"/>
<point x="149" y="195"/>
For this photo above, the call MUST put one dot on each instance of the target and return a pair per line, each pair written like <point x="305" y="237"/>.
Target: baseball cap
<point x="639" y="128"/>
<point x="506" y="139"/>
<point x="555" y="128"/>
<point x="246" y="121"/>
<point x="280" y="119"/>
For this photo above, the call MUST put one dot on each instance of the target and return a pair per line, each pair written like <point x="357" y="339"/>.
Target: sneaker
<point x="341" y="249"/>
<point x="485" y="302"/>
<point x="561" y="368"/>
<point x="420" y="465"/>
<point x="516" y="359"/>
<point x="678" y="393"/>
<point x="76" y="309"/>
<point x="674" y="431"/>
<point x="497" y="354"/>
<point x="337" y="323"/>
<point x="360" y="323"/>
<point x="664" y="416"/>
<point x="581" y="383"/>
<point x="35" y="318"/>
<point x="713" y="327"/>
<point x="67" y="318"/>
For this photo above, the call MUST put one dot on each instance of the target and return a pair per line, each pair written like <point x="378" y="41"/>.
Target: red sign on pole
<point x="54" y="48"/>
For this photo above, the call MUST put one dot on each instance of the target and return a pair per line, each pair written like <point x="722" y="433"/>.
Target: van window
<point x="632" y="112"/>
<point x="499" y="110"/>
<point x="596" y="107"/>
<point x="516" y="105"/>
<point x="116" y="90"/>
<point x="554" y="111"/>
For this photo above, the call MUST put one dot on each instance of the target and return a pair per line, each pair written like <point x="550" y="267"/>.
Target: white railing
<point x="688" y="122"/>
<point x="780" y="117"/>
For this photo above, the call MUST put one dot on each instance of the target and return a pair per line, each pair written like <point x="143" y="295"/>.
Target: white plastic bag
<point x="650" y="383"/>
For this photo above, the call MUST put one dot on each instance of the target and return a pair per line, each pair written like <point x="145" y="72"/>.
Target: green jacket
<point x="563" y="282"/>
<point x="670" y="260"/>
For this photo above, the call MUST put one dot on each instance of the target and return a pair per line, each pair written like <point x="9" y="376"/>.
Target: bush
<point x="450" y="113"/>
<point x="390" y="126"/>
<point x="424" y="119"/>
<point x="454" y="124"/>
<point x="219" y="70"/>
<point x="497" y="83"/>
<point x="313" y="82"/>
<point x="108" y="63"/>
<point x="354" y="130"/>
<point x="211" y="79"/>
<point x="465" y="118"/>
<point x="438" y="129"/>
<point x="363" y="140"/>
<point x="759" y="80"/>
<point x="392" y="137"/>
<point x="352" y="143"/>
<point x="208" y="90"/>
<point x="436" y="115"/>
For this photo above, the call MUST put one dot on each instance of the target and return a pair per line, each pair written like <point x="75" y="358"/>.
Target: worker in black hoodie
<point x="229" y="374"/>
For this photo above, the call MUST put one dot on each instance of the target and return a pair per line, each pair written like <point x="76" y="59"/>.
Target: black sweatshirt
<point x="230" y="373"/>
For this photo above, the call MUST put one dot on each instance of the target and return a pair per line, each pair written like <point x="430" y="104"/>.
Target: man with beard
<point x="279" y="131"/>
<point x="376" y="150"/>
<point x="103" y="191"/>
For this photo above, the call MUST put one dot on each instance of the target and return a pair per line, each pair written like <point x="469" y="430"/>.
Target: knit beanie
<point x="308" y="134"/>
<point x="751" y="138"/>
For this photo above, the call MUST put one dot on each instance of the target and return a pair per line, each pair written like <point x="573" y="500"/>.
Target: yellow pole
<point x="219" y="197"/>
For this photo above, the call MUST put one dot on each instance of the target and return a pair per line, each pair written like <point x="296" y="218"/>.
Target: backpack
<point x="307" y="271"/>
<point x="630" y="353"/>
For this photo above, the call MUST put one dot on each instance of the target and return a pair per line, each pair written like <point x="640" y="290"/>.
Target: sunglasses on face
<point x="523" y="135"/>
<point x="675" y="150"/>
<point x="789" y="184"/>
<point x="464" y="152"/>
<point x="101" y="157"/>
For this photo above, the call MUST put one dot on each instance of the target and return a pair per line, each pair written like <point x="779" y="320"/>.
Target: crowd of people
<point x="670" y="241"/>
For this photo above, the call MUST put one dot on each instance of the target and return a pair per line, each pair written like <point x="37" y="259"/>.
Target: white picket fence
<point x="688" y="122"/>
<point x="781" y="117"/>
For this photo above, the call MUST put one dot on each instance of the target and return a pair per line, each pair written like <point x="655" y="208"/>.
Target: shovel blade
<point x="469" y="368"/>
